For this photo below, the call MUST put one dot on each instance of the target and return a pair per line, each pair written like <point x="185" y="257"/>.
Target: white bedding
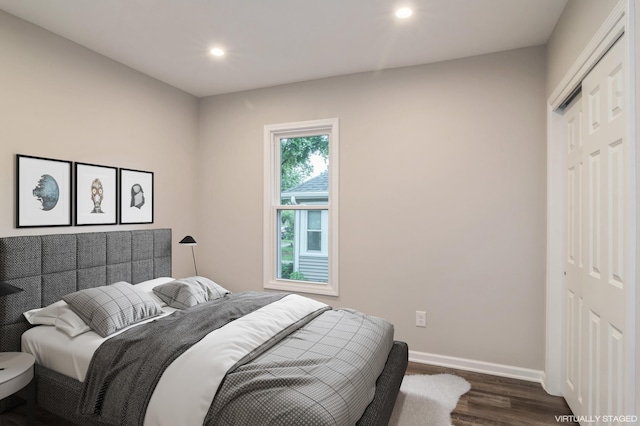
<point x="71" y="356"/>
<point x="186" y="389"/>
<point x="181" y="396"/>
<point x="66" y="355"/>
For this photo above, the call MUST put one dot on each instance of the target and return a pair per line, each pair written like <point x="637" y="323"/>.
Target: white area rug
<point x="428" y="400"/>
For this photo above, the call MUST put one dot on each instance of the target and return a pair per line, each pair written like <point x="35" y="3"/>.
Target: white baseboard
<point x="478" y="366"/>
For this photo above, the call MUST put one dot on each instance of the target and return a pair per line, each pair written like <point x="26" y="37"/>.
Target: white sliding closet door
<point x="597" y="203"/>
<point x="574" y="260"/>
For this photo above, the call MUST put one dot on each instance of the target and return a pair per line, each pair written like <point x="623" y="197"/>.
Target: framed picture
<point x="136" y="196"/>
<point x="96" y="195"/>
<point x="43" y="192"/>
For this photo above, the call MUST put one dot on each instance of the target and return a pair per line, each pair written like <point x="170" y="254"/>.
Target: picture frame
<point x="96" y="194"/>
<point x="136" y="196"/>
<point x="43" y="192"/>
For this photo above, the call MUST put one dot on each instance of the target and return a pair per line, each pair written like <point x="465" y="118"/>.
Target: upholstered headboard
<point x="48" y="267"/>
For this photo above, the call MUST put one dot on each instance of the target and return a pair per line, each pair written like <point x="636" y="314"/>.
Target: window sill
<point x="324" y="289"/>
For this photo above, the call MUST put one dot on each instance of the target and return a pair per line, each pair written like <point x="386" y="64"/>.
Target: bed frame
<point x="47" y="267"/>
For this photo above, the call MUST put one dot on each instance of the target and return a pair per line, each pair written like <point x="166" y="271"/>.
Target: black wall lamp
<point x="7" y="289"/>
<point x="189" y="241"/>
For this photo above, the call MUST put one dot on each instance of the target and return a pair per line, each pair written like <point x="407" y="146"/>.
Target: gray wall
<point x="442" y="197"/>
<point x="444" y="162"/>
<point x="637" y="120"/>
<point x="60" y="100"/>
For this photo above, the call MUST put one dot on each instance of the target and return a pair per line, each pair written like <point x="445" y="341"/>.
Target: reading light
<point x="216" y="51"/>
<point x="404" y="12"/>
<point x="7" y="289"/>
<point x="189" y="241"/>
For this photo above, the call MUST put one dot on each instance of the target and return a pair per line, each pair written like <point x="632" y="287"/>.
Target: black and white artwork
<point x="136" y="196"/>
<point x="96" y="194"/>
<point x="43" y="192"/>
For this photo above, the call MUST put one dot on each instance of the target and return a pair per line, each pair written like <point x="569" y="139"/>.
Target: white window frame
<point x="272" y="203"/>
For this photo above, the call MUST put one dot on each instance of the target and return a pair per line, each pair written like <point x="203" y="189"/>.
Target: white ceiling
<point x="271" y="42"/>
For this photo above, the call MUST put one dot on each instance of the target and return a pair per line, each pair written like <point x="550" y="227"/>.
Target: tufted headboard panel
<point x="47" y="267"/>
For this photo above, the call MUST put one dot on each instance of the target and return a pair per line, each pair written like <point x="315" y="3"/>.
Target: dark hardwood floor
<point x="18" y="417"/>
<point x="492" y="401"/>
<point x="500" y="401"/>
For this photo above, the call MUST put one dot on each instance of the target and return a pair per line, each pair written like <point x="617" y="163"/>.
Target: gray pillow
<point x="110" y="308"/>
<point x="187" y="292"/>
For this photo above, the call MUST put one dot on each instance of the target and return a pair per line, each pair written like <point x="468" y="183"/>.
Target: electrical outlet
<point x="421" y="319"/>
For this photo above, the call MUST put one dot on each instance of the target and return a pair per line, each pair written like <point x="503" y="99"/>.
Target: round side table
<point x="16" y="372"/>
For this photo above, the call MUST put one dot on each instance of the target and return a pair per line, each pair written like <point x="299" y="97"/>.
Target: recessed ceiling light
<point x="404" y="12"/>
<point x="216" y="51"/>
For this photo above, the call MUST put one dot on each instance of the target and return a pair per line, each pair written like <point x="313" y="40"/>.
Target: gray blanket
<point x="320" y="371"/>
<point x="125" y="369"/>
<point x="324" y="374"/>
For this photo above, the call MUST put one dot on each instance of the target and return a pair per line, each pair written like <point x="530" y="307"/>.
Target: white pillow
<point x="60" y="316"/>
<point x="147" y="287"/>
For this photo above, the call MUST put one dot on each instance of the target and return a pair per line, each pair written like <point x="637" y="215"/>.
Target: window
<point x="300" y="207"/>
<point x="315" y="224"/>
<point x="314" y="231"/>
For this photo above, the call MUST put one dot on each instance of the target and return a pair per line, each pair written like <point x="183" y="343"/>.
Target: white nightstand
<point x="16" y="372"/>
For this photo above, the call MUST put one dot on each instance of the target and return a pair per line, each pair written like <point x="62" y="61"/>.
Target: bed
<point x="49" y="267"/>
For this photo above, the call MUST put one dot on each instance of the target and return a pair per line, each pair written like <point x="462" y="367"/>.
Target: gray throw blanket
<point x="323" y="374"/>
<point x="125" y="369"/>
